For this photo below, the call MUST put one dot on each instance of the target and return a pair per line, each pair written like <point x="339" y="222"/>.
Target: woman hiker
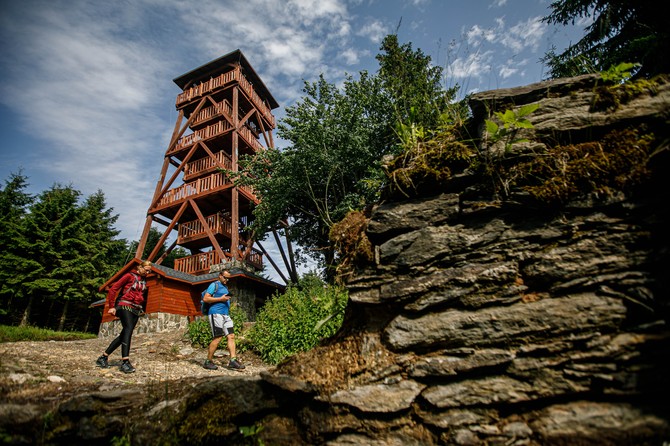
<point x="127" y="308"/>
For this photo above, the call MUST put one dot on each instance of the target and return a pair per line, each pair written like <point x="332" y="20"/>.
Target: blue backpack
<point x="204" y="306"/>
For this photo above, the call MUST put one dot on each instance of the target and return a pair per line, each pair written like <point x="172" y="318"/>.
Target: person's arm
<point x="114" y="291"/>
<point x="212" y="300"/>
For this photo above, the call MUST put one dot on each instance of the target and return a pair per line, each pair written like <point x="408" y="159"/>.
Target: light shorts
<point x="221" y="325"/>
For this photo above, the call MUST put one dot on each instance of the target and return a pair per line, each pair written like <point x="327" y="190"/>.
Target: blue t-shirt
<point x="217" y="289"/>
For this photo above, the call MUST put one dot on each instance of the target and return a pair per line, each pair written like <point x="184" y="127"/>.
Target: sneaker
<point x="102" y="362"/>
<point x="209" y="365"/>
<point x="235" y="364"/>
<point x="126" y="367"/>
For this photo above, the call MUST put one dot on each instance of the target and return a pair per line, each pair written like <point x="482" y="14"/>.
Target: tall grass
<point x="14" y="334"/>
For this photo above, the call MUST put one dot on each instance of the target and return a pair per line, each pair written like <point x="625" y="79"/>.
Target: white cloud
<point x="350" y="56"/>
<point x="474" y="65"/>
<point x="524" y="35"/>
<point x="373" y="30"/>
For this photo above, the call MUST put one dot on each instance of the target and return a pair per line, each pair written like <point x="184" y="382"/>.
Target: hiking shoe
<point x="209" y="365"/>
<point x="102" y="362"/>
<point x="126" y="367"/>
<point x="235" y="364"/>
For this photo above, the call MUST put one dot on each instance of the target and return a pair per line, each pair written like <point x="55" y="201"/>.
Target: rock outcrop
<point x="482" y="320"/>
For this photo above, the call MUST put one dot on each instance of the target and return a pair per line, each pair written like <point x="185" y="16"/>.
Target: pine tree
<point x="621" y="31"/>
<point x="14" y="202"/>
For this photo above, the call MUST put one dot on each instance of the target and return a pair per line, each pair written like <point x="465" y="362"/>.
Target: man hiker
<point x="218" y="298"/>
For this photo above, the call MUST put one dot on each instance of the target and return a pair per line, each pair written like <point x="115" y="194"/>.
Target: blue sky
<point x="87" y="96"/>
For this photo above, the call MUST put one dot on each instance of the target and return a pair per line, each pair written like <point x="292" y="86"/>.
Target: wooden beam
<point x="289" y="246"/>
<point x="208" y="230"/>
<point x="180" y="168"/>
<point x="235" y="204"/>
<point x="272" y="262"/>
<point x="143" y="240"/>
<point x="165" y="235"/>
<point x="283" y="254"/>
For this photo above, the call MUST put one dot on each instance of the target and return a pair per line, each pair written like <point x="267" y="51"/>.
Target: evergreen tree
<point x="14" y="202"/>
<point x="105" y="251"/>
<point x="621" y="31"/>
<point x="54" y="245"/>
<point x="415" y="85"/>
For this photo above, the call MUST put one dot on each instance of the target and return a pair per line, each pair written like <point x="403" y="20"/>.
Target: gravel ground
<point x="46" y="372"/>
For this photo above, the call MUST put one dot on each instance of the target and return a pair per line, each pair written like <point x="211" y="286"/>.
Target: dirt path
<point x="48" y="372"/>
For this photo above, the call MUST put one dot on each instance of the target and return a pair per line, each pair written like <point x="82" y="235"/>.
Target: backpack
<point x="125" y="289"/>
<point x="204" y="306"/>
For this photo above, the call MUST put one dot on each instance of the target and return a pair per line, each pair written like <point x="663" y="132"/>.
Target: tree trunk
<point x="63" y="316"/>
<point x="25" y="320"/>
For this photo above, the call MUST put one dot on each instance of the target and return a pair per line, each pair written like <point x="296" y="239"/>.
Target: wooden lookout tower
<point x="224" y="112"/>
<point x="227" y="109"/>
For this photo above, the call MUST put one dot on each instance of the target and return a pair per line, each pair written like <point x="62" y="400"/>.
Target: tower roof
<point x="216" y="66"/>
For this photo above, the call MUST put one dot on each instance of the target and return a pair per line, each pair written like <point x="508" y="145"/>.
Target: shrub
<point x="201" y="335"/>
<point x="298" y="319"/>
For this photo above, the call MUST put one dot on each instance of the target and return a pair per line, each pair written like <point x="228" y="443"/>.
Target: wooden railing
<point x="222" y="108"/>
<point x="202" y="262"/>
<point x="250" y="138"/>
<point x="206" y="163"/>
<point x="195" y="229"/>
<point x="250" y="192"/>
<point x="204" y="184"/>
<point x="217" y="82"/>
<point x="211" y="131"/>
<point x="197" y="264"/>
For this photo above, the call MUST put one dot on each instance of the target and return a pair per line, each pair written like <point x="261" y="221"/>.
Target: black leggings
<point x="128" y="322"/>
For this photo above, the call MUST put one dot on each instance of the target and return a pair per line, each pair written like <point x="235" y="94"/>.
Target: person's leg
<point x="128" y="321"/>
<point x="231" y="345"/>
<point x="212" y="347"/>
<point x="216" y="325"/>
<point x="230" y="336"/>
<point x="116" y="342"/>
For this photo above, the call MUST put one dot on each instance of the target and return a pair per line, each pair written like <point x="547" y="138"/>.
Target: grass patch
<point x="14" y="334"/>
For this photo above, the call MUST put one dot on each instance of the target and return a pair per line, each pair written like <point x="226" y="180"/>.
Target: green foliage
<point x="338" y="138"/>
<point x="298" y="319"/>
<point x="55" y="249"/>
<point x="413" y="82"/>
<point x="250" y="435"/>
<point x="28" y="333"/>
<point x="620" y="31"/>
<point x="200" y="334"/>
<point x="619" y="73"/>
<point x="511" y="122"/>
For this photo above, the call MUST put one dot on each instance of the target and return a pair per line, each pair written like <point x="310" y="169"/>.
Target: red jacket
<point x="134" y="290"/>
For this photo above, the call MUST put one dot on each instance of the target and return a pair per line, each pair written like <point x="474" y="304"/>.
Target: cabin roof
<point x="179" y="276"/>
<point x="215" y="67"/>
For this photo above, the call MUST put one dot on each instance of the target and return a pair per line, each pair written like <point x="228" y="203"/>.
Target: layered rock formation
<point x="482" y="319"/>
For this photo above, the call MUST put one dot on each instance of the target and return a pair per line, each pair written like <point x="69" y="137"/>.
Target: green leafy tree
<point x="621" y="31"/>
<point x="338" y="139"/>
<point x="332" y="165"/>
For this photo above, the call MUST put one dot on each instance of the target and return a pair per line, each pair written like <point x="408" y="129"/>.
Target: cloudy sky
<point x="87" y="96"/>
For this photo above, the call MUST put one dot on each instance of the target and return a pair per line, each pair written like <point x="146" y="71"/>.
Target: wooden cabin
<point x="224" y="111"/>
<point x="174" y="297"/>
